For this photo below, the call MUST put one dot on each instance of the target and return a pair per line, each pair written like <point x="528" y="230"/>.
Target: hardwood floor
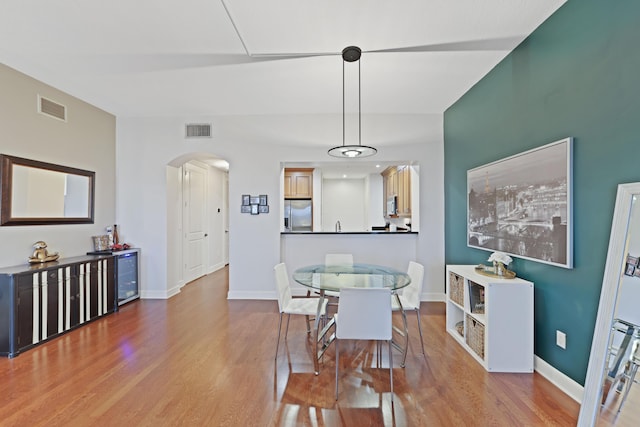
<point x="198" y="359"/>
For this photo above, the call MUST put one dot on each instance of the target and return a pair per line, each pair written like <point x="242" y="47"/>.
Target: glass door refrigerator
<point x="127" y="271"/>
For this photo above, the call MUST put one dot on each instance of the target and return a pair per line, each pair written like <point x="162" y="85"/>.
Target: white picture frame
<point x="522" y="205"/>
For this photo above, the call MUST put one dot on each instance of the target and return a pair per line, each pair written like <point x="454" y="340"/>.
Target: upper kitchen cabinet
<point x="298" y="183"/>
<point x="397" y="182"/>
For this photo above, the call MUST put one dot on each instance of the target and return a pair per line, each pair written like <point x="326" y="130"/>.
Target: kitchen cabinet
<point x="39" y="302"/>
<point x="397" y="182"/>
<point x="404" y="190"/>
<point x="298" y="183"/>
<point x="491" y="318"/>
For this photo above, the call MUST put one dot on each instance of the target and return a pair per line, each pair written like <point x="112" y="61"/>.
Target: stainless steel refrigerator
<point x="297" y="215"/>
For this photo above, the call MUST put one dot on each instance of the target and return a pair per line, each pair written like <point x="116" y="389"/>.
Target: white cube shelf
<point x="492" y="318"/>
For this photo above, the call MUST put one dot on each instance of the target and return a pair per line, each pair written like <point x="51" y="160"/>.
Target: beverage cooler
<point x="127" y="274"/>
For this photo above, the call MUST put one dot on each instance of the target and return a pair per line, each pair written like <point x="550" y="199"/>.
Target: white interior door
<point x="194" y="221"/>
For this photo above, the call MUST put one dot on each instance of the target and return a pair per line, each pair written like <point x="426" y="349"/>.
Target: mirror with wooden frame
<point x="39" y="193"/>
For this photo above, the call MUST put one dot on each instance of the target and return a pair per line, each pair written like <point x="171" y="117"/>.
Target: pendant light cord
<point x="359" y="108"/>
<point x="343" y="107"/>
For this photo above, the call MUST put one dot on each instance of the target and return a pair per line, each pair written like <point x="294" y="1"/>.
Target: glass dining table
<point x="333" y="278"/>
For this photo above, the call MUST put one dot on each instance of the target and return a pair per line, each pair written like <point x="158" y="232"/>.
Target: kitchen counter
<point x="351" y="232"/>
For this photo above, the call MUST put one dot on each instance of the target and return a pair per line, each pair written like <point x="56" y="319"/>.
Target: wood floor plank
<point x="199" y="359"/>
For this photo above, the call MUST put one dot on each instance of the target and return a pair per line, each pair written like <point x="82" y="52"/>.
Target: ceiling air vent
<point x="198" y="130"/>
<point x="52" y="108"/>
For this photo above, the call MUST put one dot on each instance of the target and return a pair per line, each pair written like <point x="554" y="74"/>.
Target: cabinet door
<point x="88" y="286"/>
<point x="109" y="281"/>
<point x="298" y="183"/>
<point x="52" y="297"/>
<point x="72" y="290"/>
<point x="404" y="190"/>
<point x="24" y="310"/>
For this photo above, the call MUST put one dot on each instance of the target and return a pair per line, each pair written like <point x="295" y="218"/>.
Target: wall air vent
<point x="52" y="108"/>
<point x="198" y="130"/>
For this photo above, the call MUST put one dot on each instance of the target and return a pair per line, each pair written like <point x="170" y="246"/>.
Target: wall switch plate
<point x="561" y="339"/>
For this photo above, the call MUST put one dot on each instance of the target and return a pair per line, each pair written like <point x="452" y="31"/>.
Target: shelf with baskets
<point x="492" y="318"/>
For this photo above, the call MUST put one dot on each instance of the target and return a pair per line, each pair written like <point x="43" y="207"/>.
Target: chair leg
<point x="308" y="325"/>
<point x="390" y="369"/>
<point x="337" y="363"/>
<point x="406" y="338"/>
<point x="286" y="332"/>
<point x="278" y="341"/>
<point x="630" y="379"/>
<point x="420" y="330"/>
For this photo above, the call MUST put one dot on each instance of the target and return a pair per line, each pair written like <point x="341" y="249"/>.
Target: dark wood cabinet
<point x="41" y="301"/>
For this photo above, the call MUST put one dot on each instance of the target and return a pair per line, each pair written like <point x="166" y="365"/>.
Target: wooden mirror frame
<point x="6" y="195"/>
<point x="614" y="269"/>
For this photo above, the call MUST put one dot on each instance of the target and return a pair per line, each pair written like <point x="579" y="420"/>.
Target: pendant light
<point x="352" y="54"/>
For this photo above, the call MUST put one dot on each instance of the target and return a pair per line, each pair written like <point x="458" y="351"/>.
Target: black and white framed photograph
<point x="263" y="208"/>
<point x="633" y="260"/>
<point x="636" y="272"/>
<point x="246" y="200"/>
<point x="263" y="200"/>
<point x="522" y="205"/>
<point x="254" y="200"/>
<point x="630" y="270"/>
<point x="245" y="209"/>
<point x="254" y="210"/>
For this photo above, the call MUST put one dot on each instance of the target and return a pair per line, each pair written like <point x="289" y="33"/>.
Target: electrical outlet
<point x="561" y="339"/>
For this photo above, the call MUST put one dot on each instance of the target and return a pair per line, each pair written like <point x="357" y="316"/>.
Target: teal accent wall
<point x="577" y="75"/>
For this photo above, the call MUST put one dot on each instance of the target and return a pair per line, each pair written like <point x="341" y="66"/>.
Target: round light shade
<point x="351" y="151"/>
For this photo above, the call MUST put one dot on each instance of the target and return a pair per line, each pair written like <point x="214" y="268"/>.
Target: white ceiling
<point x="164" y="58"/>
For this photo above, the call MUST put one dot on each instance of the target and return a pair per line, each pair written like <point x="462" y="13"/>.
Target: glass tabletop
<point x="336" y="277"/>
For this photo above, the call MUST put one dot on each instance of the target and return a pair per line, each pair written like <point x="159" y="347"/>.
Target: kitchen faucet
<point x="338" y="226"/>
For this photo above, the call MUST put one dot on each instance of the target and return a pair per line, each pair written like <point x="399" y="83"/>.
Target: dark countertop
<point x="351" y="232"/>
<point x="26" y="267"/>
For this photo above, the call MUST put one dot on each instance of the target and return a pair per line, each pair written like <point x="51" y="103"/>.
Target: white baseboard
<point x="433" y="297"/>
<point x="160" y="294"/>
<point x="560" y="380"/>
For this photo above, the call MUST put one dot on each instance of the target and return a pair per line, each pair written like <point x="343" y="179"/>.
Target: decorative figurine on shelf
<point x="40" y="254"/>
<point x="500" y="262"/>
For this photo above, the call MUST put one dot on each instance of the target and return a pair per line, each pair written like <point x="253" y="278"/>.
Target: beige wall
<point x="85" y="141"/>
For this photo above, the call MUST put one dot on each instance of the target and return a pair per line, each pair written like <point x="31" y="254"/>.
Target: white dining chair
<point x="410" y="296"/>
<point x="364" y="314"/>
<point x="289" y="305"/>
<point x="338" y="259"/>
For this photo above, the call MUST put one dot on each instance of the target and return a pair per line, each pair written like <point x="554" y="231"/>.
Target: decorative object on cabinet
<point x="40" y="254"/>
<point x="523" y="205"/>
<point x="254" y="205"/>
<point x="24" y="183"/>
<point x="40" y="302"/>
<point x="500" y="262"/>
<point x="102" y="242"/>
<point x="481" y="312"/>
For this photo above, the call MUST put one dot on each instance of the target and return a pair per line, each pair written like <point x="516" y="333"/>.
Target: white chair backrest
<point x="282" y="285"/>
<point x="338" y="259"/>
<point x="412" y="292"/>
<point x="364" y="313"/>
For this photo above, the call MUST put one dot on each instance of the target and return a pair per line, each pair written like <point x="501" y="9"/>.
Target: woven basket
<point x="456" y="288"/>
<point x="475" y="336"/>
